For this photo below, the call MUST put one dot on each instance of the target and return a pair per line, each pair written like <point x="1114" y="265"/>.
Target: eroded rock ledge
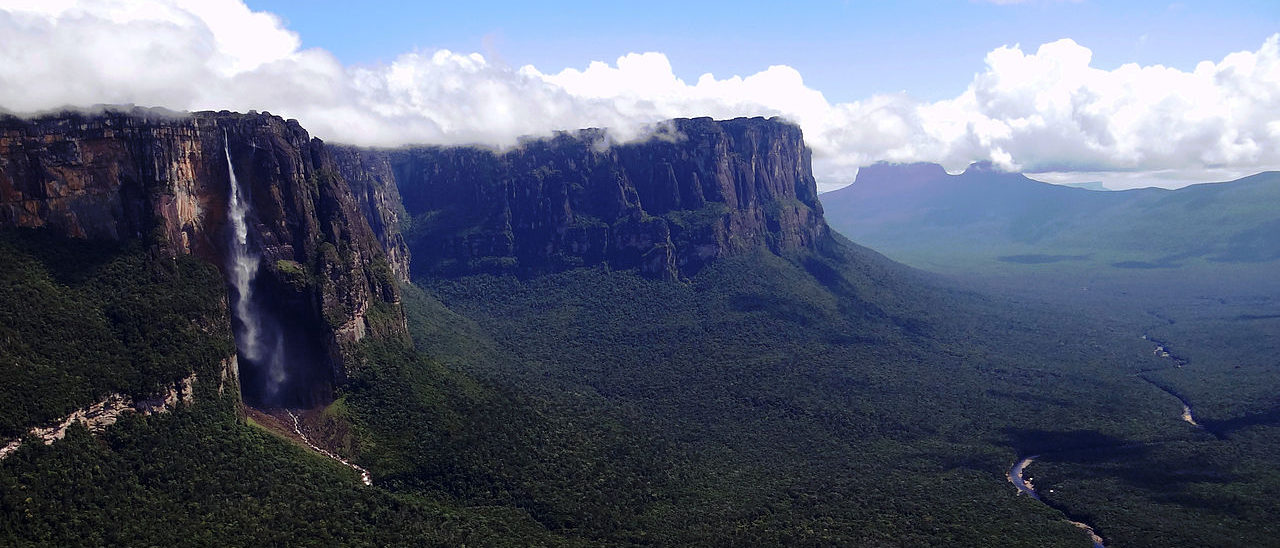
<point x="98" y="416"/>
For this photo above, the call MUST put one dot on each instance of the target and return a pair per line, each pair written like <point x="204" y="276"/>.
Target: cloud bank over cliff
<point x="1041" y="110"/>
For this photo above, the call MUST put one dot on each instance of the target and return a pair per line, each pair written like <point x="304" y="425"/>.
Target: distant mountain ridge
<point x="1088" y="185"/>
<point x="920" y="214"/>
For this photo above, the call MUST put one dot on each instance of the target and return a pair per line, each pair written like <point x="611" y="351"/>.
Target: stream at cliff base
<point x="365" y="477"/>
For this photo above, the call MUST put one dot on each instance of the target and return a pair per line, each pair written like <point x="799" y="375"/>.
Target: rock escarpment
<point x="320" y="257"/>
<point x="368" y="173"/>
<point x="667" y="206"/>
<point x="334" y="225"/>
<point x="162" y="176"/>
<point x="114" y="175"/>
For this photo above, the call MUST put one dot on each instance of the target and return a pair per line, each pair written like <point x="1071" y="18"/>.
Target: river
<point x="1018" y="472"/>
<point x="1017" y="476"/>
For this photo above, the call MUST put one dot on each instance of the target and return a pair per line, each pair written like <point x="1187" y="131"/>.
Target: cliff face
<point x="666" y="206"/>
<point x="317" y="247"/>
<point x="113" y="176"/>
<point x="327" y="221"/>
<point x="368" y="173"/>
<point x="163" y="177"/>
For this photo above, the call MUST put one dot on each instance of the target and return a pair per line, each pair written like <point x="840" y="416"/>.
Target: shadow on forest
<point x="1222" y="428"/>
<point x="1160" y="469"/>
<point x="1034" y="442"/>
<point x="69" y="261"/>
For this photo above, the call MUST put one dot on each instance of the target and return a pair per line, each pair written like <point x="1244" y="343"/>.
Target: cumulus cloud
<point x="1047" y="110"/>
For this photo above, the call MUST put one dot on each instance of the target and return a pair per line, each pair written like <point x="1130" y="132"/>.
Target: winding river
<point x="1017" y="476"/>
<point x="1186" y="406"/>
<point x="1018" y="472"/>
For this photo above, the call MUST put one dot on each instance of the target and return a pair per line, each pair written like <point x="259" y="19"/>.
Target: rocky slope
<point x="668" y="205"/>
<point x="161" y="176"/>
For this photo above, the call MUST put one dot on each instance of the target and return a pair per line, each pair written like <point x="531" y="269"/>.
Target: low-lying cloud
<point x="1047" y="110"/>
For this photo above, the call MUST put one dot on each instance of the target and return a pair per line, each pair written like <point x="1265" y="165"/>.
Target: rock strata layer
<point x="335" y="225"/>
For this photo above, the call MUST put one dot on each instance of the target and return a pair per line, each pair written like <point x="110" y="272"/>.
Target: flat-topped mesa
<point x="667" y="205"/>
<point x="884" y="178"/>
<point x="160" y="176"/>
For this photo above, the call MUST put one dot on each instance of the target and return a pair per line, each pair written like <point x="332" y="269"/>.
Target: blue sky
<point x="1130" y="93"/>
<point x="848" y="50"/>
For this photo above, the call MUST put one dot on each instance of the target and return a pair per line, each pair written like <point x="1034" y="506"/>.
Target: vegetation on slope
<point x="199" y="477"/>
<point x="1195" y="269"/>
<point x="1213" y="489"/>
<point x="80" y="320"/>
<point x="84" y="319"/>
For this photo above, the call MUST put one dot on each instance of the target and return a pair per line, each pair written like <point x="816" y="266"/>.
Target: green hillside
<point x="770" y="400"/>
<point x="84" y="319"/>
<point x="801" y="401"/>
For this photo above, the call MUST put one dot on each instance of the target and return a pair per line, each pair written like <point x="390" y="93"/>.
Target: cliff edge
<point x="667" y="205"/>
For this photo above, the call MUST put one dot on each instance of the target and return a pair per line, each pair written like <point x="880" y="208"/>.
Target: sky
<point x="1129" y="93"/>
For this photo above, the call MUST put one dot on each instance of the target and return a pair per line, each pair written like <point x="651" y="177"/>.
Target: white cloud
<point x="1048" y="110"/>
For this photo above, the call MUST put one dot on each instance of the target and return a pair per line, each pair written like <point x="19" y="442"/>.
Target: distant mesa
<point x="1037" y="258"/>
<point x="985" y="218"/>
<point x="884" y="177"/>
<point x="1088" y="185"/>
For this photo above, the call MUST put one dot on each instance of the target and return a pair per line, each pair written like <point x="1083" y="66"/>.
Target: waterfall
<point x="242" y="268"/>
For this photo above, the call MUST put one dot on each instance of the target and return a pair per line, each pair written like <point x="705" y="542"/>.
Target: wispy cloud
<point x="1041" y="110"/>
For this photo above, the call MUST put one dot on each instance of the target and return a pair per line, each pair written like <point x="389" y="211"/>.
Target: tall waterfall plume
<point x="242" y="268"/>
